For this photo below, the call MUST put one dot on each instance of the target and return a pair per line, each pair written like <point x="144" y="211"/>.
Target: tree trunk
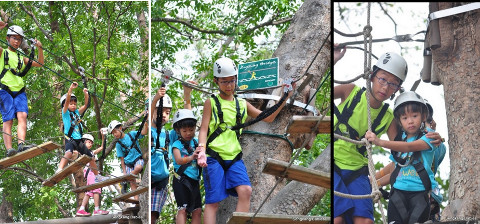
<point x="6" y="210"/>
<point x="310" y="27"/>
<point x="299" y="198"/>
<point x="456" y="64"/>
<point x="144" y="199"/>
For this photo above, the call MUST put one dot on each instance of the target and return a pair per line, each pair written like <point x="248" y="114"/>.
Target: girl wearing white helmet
<point x="14" y="103"/>
<point x="225" y="150"/>
<point x="186" y="184"/>
<point x="161" y="141"/>
<point x="90" y="176"/>
<point x="413" y="177"/>
<point x="128" y="150"/>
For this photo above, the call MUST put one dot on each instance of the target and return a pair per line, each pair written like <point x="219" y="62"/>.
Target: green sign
<point x="258" y="74"/>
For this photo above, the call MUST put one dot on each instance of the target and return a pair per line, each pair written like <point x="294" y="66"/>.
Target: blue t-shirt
<point x="67" y="123"/>
<point x="132" y="153"/>
<point x="192" y="170"/>
<point x="158" y="164"/>
<point x="408" y="179"/>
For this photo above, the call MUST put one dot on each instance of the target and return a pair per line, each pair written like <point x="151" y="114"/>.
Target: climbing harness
<point x="16" y="71"/>
<point x="127" y="149"/>
<point x="376" y="194"/>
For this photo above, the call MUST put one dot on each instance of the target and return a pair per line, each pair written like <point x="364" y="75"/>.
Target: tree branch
<point x="36" y="176"/>
<point x="72" y="47"/>
<point x="47" y="35"/>
<point x="270" y="22"/>
<point x="189" y="24"/>
<point x="65" y="214"/>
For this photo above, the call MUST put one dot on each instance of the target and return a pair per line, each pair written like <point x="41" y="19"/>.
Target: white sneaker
<point x="100" y="178"/>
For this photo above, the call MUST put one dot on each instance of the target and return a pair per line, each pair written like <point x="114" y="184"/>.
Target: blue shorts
<point x="218" y="184"/>
<point x="10" y="106"/>
<point x="348" y="208"/>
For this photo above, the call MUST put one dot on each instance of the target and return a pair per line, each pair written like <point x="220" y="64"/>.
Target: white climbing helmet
<point x="408" y="96"/>
<point x="224" y="67"/>
<point x="87" y="136"/>
<point x="15" y="30"/>
<point x="113" y="125"/>
<point x="392" y="63"/>
<point x="167" y="102"/>
<point x="183" y="114"/>
<point x="62" y="99"/>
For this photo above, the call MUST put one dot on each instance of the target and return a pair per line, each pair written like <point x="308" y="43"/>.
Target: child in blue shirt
<point x="128" y="151"/>
<point x="413" y="177"/>
<point x="72" y="128"/>
<point x="186" y="184"/>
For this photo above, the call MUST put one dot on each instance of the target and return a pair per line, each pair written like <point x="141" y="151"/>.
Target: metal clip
<point x="81" y="70"/>
<point x="33" y="42"/>
<point x="288" y="85"/>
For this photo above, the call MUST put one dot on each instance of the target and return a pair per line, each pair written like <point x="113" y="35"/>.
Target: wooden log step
<point x="304" y="124"/>
<point x="111" y="181"/>
<point x="28" y="154"/>
<point x="244" y="217"/>
<point x="110" y="218"/>
<point x="75" y="165"/>
<point x="298" y="173"/>
<point x="126" y="197"/>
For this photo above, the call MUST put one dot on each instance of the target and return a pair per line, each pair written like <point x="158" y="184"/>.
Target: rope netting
<point x="376" y="194"/>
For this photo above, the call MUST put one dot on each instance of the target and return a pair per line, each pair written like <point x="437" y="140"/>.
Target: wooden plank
<point x="28" y="154"/>
<point x="110" y="218"/>
<point x="75" y="165"/>
<point x="105" y="183"/>
<point x="298" y="173"/>
<point x="126" y="197"/>
<point x="304" y="124"/>
<point x="244" y="217"/>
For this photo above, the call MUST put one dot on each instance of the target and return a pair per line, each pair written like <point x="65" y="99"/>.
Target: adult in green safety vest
<point x="224" y="172"/>
<point x="13" y="99"/>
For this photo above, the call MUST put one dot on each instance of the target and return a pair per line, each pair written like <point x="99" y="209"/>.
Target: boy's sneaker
<point x="22" y="147"/>
<point x="83" y="213"/>
<point x="100" y="178"/>
<point x="11" y="152"/>
<point x="100" y="212"/>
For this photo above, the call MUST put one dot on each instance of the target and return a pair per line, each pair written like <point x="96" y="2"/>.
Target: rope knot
<point x="377" y="195"/>
<point x="367" y="31"/>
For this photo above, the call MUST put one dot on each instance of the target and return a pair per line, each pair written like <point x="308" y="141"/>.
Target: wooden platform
<point x="77" y="164"/>
<point x="243" y="217"/>
<point x="105" y="183"/>
<point x="298" y="173"/>
<point x="110" y="218"/>
<point x="304" y="124"/>
<point x="28" y="154"/>
<point x="126" y="197"/>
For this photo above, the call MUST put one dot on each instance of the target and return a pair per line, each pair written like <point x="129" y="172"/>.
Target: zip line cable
<point x="48" y="68"/>
<point x="32" y="40"/>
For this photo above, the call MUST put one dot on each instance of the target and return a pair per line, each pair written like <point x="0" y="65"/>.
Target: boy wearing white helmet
<point x="73" y="128"/>
<point x="350" y="120"/>
<point x="13" y="99"/>
<point x="413" y="177"/>
<point x="225" y="173"/>
<point x="186" y="184"/>
<point x="90" y="177"/>
<point x="161" y="141"/>
<point x="128" y="150"/>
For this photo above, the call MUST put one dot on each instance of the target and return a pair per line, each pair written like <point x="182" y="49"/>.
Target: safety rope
<point x="376" y="194"/>
<point x="282" y="176"/>
<point x="48" y="68"/>
<point x="79" y="68"/>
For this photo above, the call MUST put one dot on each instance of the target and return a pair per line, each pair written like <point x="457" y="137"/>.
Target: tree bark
<point x="299" y="198"/>
<point x="6" y="210"/>
<point x="296" y="51"/>
<point x="456" y="64"/>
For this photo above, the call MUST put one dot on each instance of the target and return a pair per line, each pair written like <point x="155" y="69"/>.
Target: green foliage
<point x="105" y="37"/>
